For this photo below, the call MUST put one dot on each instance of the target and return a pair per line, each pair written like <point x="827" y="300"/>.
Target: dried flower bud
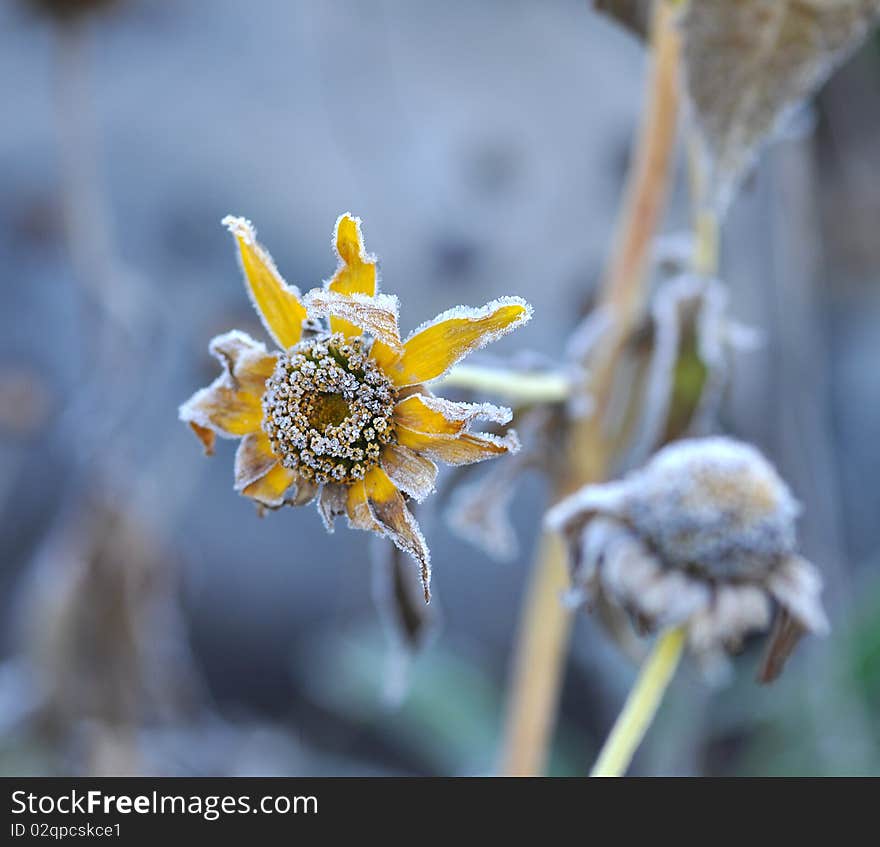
<point x="703" y="536"/>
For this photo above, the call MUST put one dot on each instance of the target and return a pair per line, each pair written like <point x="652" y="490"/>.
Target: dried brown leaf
<point x="749" y="63"/>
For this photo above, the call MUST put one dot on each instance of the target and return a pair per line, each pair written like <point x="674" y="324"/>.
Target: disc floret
<point x="327" y="409"/>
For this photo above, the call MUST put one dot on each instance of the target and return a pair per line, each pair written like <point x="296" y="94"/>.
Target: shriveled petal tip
<point x="277" y="303"/>
<point x="464" y="449"/>
<point x="358" y="509"/>
<point x="332" y="503"/>
<point x="436" y="346"/>
<point x="389" y="510"/>
<point x="223" y="410"/>
<point x="429" y="414"/>
<point x="411" y="473"/>
<point x="207" y="436"/>
<point x="376" y="315"/>
<point x="230" y="406"/>
<point x="356" y="273"/>
<point x="246" y="361"/>
<point x="253" y="459"/>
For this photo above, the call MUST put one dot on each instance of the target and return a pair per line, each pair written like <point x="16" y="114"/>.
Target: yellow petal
<point x="356" y="273"/>
<point x="359" y="515"/>
<point x="410" y="472"/>
<point x="277" y="303"/>
<point x="426" y="413"/>
<point x="270" y="489"/>
<point x="223" y="410"/>
<point x="434" y="348"/>
<point x="253" y="459"/>
<point x="389" y="510"/>
<point x="464" y="449"/>
<point x="231" y="405"/>
<point x="375" y="315"/>
<point x="245" y="360"/>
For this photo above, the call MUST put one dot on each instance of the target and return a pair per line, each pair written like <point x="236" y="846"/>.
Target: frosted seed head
<point x="702" y="536"/>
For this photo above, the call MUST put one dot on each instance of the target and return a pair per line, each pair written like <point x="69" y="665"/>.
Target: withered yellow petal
<point x="277" y="303"/>
<point x="222" y="409"/>
<point x="253" y="459"/>
<point x="356" y="273"/>
<point x="358" y="509"/>
<point x="231" y="405"/>
<point x="464" y="449"/>
<point x="429" y="414"/>
<point x="270" y="489"/>
<point x="376" y="315"/>
<point x="434" y="348"/>
<point x="411" y="473"/>
<point x="389" y="510"/>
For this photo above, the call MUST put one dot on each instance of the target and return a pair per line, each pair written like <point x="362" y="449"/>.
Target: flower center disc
<point x="327" y="409"/>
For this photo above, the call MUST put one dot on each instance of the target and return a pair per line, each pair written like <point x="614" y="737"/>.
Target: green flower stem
<point x="641" y="705"/>
<point x="520" y="388"/>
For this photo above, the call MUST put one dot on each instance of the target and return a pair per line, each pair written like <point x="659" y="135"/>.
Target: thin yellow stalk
<point x="544" y="631"/>
<point x="641" y="705"/>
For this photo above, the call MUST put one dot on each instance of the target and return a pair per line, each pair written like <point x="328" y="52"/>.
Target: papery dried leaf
<point x="748" y="63"/>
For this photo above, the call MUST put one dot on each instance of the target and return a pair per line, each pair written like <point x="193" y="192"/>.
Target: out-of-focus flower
<point x="703" y="536"/>
<point x="341" y="414"/>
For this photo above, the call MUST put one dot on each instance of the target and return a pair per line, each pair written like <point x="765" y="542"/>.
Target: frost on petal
<point x="464" y="449"/>
<point x="749" y="64"/>
<point x="230" y="406"/>
<point x="436" y="346"/>
<point x="277" y="303"/>
<point x="375" y="315"/>
<point x="411" y="473"/>
<point x="356" y="273"/>
<point x="332" y="503"/>
<point x="246" y="361"/>
<point x="693" y="341"/>
<point x="253" y="459"/>
<point x="429" y="414"/>
<point x="358" y="509"/>
<point x="606" y="499"/>
<point x="389" y="510"/>
<point x="270" y="490"/>
<point x="223" y="410"/>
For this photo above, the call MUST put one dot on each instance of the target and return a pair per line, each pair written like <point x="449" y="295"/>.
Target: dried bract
<point x="703" y="536"/>
<point x="749" y="63"/>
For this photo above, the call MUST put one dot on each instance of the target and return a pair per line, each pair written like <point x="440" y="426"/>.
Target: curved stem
<point x="641" y="705"/>
<point x="544" y="631"/>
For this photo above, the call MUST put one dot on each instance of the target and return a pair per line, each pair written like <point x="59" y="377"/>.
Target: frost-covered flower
<point x="702" y="536"/>
<point x="341" y="413"/>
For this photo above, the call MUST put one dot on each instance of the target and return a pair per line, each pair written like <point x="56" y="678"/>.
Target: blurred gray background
<point x="484" y="145"/>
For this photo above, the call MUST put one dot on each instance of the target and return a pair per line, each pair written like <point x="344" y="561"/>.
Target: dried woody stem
<point x="545" y="628"/>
